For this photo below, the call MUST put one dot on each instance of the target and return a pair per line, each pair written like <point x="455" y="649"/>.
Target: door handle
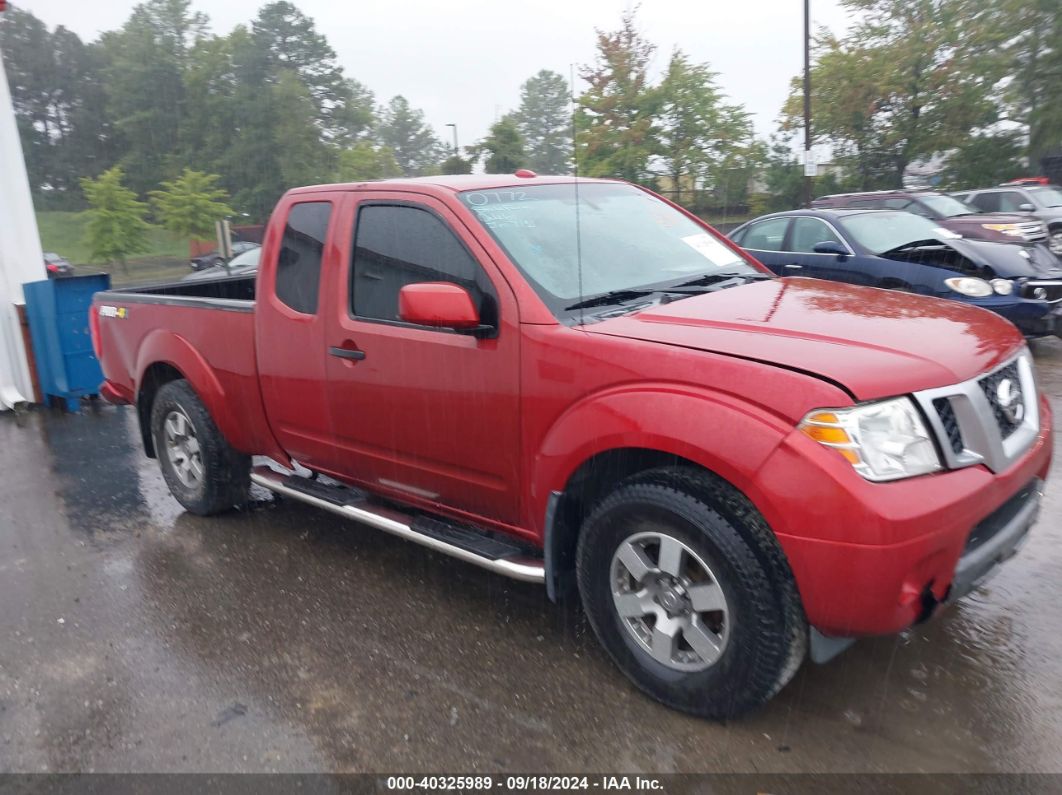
<point x="794" y="266"/>
<point x="346" y="353"/>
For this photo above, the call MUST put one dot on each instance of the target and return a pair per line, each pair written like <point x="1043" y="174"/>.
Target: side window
<point x="1009" y="201"/>
<point x="766" y="235"/>
<point x="809" y="231"/>
<point x="396" y="245"/>
<point x="865" y="204"/>
<point x="739" y="236"/>
<point x="899" y="204"/>
<point x="299" y="261"/>
<point x="986" y="202"/>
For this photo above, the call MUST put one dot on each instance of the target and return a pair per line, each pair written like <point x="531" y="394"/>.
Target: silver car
<point x="1040" y="201"/>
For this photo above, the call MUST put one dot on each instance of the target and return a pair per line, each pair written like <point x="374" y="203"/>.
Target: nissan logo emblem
<point x="1008" y="395"/>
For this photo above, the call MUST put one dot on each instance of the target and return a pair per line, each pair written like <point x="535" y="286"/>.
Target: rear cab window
<point x="298" y="272"/>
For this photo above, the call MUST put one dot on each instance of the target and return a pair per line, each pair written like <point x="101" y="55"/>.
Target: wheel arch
<point x="604" y="441"/>
<point x="164" y="357"/>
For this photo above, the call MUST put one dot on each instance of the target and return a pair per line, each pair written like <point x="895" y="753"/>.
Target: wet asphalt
<point x="136" y="637"/>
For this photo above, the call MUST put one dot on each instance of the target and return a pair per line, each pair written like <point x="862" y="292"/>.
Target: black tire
<point x="768" y="633"/>
<point x="225" y="473"/>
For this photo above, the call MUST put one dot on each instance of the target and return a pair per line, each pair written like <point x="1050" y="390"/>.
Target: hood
<point x="874" y="343"/>
<point x="958" y="222"/>
<point x="1009" y="260"/>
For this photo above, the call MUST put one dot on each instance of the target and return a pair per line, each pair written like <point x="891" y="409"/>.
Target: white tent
<point x="21" y="259"/>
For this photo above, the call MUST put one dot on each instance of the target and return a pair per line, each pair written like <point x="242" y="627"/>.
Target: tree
<point x="545" y="123"/>
<point x="116" y="227"/>
<point x="911" y="78"/>
<point x="703" y="140"/>
<point x="455" y="164"/>
<point x="503" y="149"/>
<point x="290" y="42"/>
<point x="191" y="204"/>
<point x="147" y="61"/>
<point x="1033" y="55"/>
<point x="58" y="96"/>
<point x="984" y="160"/>
<point x="615" y="134"/>
<point x="405" y="132"/>
<point x="364" y="162"/>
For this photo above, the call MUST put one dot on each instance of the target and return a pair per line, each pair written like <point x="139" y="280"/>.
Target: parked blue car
<point x="902" y="251"/>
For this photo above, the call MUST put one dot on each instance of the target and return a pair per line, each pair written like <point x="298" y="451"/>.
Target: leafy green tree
<point x="544" y="120"/>
<point x="503" y="149"/>
<point x="364" y="162"/>
<point x="116" y="228"/>
<point x="191" y="204"/>
<point x="58" y="96"/>
<point x="290" y="42"/>
<point x="147" y="60"/>
<point x="455" y="164"/>
<point x="615" y="134"/>
<point x="1032" y="54"/>
<point x="984" y="160"/>
<point x="404" y="131"/>
<point x="911" y="78"/>
<point x="704" y="141"/>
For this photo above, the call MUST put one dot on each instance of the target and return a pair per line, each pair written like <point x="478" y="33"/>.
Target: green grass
<point x="64" y="233"/>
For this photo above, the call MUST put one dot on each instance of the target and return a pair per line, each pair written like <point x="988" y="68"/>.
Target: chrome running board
<point x="472" y="546"/>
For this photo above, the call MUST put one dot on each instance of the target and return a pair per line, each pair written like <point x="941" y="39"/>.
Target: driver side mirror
<point x="1026" y="207"/>
<point x="439" y="305"/>
<point x="830" y="247"/>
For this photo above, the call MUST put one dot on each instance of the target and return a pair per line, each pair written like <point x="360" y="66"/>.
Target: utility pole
<point x="809" y="162"/>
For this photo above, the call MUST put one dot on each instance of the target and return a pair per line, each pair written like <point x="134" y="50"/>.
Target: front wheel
<point x="688" y="591"/>
<point x="1054" y="241"/>
<point x="203" y="471"/>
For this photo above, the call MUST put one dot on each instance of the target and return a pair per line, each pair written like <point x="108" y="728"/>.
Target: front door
<point x="805" y="233"/>
<point x="428" y="414"/>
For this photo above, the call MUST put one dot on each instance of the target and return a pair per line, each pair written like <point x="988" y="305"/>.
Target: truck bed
<point x="204" y="330"/>
<point x="209" y="291"/>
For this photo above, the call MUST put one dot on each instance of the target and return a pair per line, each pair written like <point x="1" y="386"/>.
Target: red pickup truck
<point x="580" y="384"/>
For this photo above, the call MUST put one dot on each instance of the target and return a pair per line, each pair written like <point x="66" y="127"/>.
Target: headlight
<point x="1013" y="230"/>
<point x="886" y="440"/>
<point x="967" y="285"/>
<point x="1002" y="286"/>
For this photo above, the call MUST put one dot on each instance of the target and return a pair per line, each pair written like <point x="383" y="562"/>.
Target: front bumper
<point x="875" y="558"/>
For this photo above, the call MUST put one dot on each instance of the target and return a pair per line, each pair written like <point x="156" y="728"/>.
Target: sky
<point x="463" y="61"/>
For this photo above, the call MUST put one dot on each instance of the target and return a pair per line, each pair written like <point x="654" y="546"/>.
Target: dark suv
<point x="952" y="214"/>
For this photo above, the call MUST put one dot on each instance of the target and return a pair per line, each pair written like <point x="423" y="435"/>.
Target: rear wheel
<point x="202" y="470"/>
<point x="688" y="591"/>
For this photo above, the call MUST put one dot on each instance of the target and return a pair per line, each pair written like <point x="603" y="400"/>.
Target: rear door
<point x="289" y="327"/>
<point x="765" y="240"/>
<point x="427" y="414"/>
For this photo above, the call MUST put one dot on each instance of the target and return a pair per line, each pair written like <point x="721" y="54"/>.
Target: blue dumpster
<point x="57" y="310"/>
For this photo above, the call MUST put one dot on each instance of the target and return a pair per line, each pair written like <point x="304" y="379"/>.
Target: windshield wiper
<point x="717" y="278"/>
<point x="931" y="241"/>
<point x="609" y="298"/>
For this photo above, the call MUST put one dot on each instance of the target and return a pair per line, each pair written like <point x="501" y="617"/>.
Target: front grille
<point x="1033" y="231"/>
<point x="1042" y="290"/>
<point x="951" y="425"/>
<point x="1008" y="422"/>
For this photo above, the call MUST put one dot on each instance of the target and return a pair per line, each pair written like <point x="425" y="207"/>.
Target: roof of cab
<point x="453" y="183"/>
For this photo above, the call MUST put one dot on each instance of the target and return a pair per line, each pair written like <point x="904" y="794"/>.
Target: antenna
<point x="575" y="185"/>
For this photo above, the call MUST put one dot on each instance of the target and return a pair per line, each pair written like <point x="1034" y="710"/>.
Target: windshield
<point x="947" y="206"/>
<point x="884" y="231"/>
<point x="617" y="238"/>
<point x="1048" y="196"/>
<point x="247" y="259"/>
